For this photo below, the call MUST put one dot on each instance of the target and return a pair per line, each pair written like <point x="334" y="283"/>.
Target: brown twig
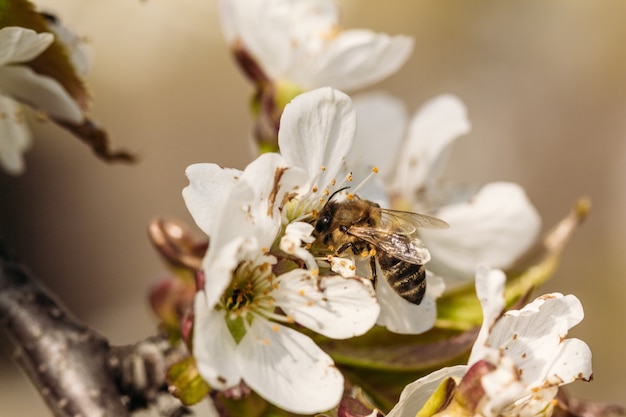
<point x="74" y="368"/>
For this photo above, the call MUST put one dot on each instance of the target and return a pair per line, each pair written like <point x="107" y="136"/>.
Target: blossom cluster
<point x="303" y="245"/>
<point x="269" y="273"/>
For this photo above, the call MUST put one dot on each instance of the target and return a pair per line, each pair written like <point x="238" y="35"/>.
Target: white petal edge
<point x="274" y="32"/>
<point x="382" y="120"/>
<point x="317" y="130"/>
<point x="495" y="227"/>
<point x="490" y="292"/>
<point x="40" y="92"/>
<point x="296" y="235"/>
<point x="333" y="306"/>
<point x="534" y="335"/>
<point x="18" y="44"/>
<point x="356" y="59"/>
<point x="432" y="130"/>
<point x="415" y="395"/>
<point x="213" y="346"/>
<point x="403" y="317"/>
<point x="288" y="369"/>
<point x="208" y="185"/>
<point x="221" y="261"/>
<point x="15" y="136"/>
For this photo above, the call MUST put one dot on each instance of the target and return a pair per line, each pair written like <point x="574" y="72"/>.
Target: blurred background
<point x="544" y="82"/>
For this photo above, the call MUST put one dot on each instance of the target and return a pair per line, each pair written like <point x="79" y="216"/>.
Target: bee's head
<point x="326" y="215"/>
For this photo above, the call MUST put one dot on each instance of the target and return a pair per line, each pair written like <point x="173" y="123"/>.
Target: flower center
<point x="250" y="288"/>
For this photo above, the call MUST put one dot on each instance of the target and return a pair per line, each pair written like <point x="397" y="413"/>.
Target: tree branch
<point x="74" y="368"/>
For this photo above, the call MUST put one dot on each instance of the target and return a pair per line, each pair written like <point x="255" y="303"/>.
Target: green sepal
<point x="284" y="92"/>
<point x="236" y="327"/>
<point x="461" y="310"/>
<point x="439" y="399"/>
<point x="54" y="61"/>
<point x="185" y="382"/>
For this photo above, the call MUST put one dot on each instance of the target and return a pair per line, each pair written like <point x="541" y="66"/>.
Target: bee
<point x="387" y="236"/>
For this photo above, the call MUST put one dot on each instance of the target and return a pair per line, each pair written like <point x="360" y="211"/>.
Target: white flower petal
<point x="18" y="44"/>
<point x="415" y="395"/>
<point x="74" y="44"/>
<point x="15" y="137"/>
<point x="333" y="306"/>
<point x="274" y="32"/>
<point x="433" y="129"/>
<point x="208" y="185"/>
<point x="296" y="234"/>
<point x="270" y="178"/>
<point x="358" y="58"/>
<point x="495" y="227"/>
<point x="288" y="369"/>
<point x="342" y="266"/>
<point x="220" y="263"/>
<point x="490" y="291"/>
<point x="572" y="362"/>
<point x="213" y="346"/>
<point x="41" y="92"/>
<point x="381" y="123"/>
<point x="316" y="130"/>
<point x="401" y="316"/>
<point x="502" y="388"/>
<point x="533" y="336"/>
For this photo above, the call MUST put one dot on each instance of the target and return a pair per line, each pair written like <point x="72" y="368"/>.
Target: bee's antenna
<point x="337" y="191"/>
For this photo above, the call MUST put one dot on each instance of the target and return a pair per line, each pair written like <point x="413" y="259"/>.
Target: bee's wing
<point x="406" y="222"/>
<point x="406" y="247"/>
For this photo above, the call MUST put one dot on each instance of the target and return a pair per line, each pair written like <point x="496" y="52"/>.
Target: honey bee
<point x="387" y="236"/>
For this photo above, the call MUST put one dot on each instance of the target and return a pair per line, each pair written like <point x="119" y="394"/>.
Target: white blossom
<point x="528" y="350"/>
<point x="300" y="42"/>
<point x="19" y="84"/>
<point x="317" y="130"/>
<point x="493" y="225"/>
<point x="240" y="314"/>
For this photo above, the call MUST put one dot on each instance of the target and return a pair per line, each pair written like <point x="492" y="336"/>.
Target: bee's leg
<point x="373" y="268"/>
<point x="344" y="248"/>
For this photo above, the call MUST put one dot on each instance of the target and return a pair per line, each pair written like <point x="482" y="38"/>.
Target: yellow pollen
<point x="314" y="189"/>
<point x="315" y="272"/>
<point x="333" y="182"/>
<point x="301" y="292"/>
<point x="309" y="303"/>
<point x="331" y="247"/>
<point x="323" y="168"/>
<point x="275" y="328"/>
<point x="364" y="254"/>
<point x="375" y="170"/>
<point x="290" y="319"/>
<point x="266" y="342"/>
<point x="372" y="252"/>
<point x="350" y="196"/>
<point x="326" y="191"/>
<point x="264" y="250"/>
<point x="349" y="177"/>
<point x="352" y="267"/>
<point x="275" y="286"/>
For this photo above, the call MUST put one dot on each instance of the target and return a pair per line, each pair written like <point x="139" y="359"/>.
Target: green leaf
<point x="461" y="310"/>
<point x="249" y="406"/>
<point x="381" y="349"/>
<point x="185" y="382"/>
